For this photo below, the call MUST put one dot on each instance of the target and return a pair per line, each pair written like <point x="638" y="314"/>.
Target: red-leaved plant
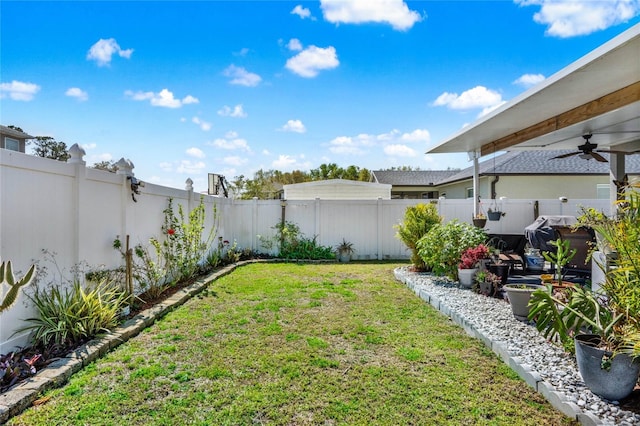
<point x="471" y="256"/>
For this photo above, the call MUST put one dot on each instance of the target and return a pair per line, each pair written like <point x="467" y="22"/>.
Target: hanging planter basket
<point x="494" y="215"/>
<point x="479" y="222"/>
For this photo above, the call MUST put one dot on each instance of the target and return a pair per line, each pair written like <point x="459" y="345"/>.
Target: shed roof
<point x="412" y="177"/>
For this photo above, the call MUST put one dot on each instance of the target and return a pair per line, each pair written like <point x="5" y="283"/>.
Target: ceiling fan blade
<point x="565" y="155"/>
<point x="598" y="157"/>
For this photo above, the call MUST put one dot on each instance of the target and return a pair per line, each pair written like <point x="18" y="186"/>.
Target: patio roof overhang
<point x="598" y="94"/>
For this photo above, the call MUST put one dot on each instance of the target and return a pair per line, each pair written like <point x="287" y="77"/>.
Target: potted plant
<point x="608" y="346"/>
<point x="559" y="260"/>
<point x="470" y="263"/>
<point x="488" y="283"/>
<point x="479" y="220"/>
<point x="495" y="214"/>
<point x="344" y="251"/>
<point x="519" y="295"/>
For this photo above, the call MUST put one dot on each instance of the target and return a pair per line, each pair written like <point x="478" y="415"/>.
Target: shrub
<point x="441" y="248"/>
<point x="70" y="317"/>
<point x="294" y="245"/>
<point x="418" y="220"/>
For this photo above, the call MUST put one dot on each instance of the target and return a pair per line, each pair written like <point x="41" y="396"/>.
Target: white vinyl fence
<point x="76" y="212"/>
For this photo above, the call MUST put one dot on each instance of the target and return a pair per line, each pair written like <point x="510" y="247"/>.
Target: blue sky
<point x="183" y="89"/>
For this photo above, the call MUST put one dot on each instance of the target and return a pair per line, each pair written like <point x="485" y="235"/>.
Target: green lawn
<point x="288" y="344"/>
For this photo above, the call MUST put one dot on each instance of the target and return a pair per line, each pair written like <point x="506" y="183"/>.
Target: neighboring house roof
<point x="413" y="177"/>
<point x="15" y="133"/>
<point x="510" y="163"/>
<point x="543" y="163"/>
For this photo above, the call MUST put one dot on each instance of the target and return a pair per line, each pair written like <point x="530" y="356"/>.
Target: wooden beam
<point x="602" y="105"/>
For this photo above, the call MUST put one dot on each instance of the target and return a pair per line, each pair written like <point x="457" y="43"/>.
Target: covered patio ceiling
<point x="598" y="94"/>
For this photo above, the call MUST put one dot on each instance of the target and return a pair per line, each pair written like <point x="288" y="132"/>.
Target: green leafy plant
<point x="69" y="317"/>
<point x="294" y="245"/>
<point x="613" y="315"/>
<point x="487" y="283"/>
<point x="7" y="277"/>
<point x="179" y="255"/>
<point x="560" y="258"/>
<point x="418" y="220"/>
<point x="441" y="248"/>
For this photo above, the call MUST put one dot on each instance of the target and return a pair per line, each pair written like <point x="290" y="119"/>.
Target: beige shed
<point x="337" y="189"/>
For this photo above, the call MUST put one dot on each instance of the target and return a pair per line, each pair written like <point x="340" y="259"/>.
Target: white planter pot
<point x="466" y="276"/>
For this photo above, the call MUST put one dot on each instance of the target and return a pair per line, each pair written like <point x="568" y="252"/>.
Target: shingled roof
<point x="510" y="163"/>
<point x="413" y="177"/>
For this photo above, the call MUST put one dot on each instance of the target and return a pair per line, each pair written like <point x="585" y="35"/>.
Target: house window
<point x="12" y="144"/>
<point x="602" y="191"/>
<point x="470" y="192"/>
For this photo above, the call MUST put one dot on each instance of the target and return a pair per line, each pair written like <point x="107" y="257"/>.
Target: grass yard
<point x="289" y="344"/>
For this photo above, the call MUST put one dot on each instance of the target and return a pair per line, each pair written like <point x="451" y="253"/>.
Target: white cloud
<point x="241" y="76"/>
<point x="294" y="45"/>
<point x="190" y="167"/>
<point x="312" y="60"/>
<point x="103" y="50"/>
<point x="399" y="150"/>
<point x="266" y="152"/>
<point x="166" y="166"/>
<point x="393" y="12"/>
<point x="302" y="12"/>
<point x="528" y="80"/>
<point x="190" y="100"/>
<point x="393" y="143"/>
<point x="231" y="141"/>
<point x="288" y="163"/>
<point x="204" y="125"/>
<point x="418" y="135"/>
<point x="345" y="145"/>
<point x="242" y="52"/>
<point x="478" y="97"/>
<point x="294" y="126"/>
<point x="195" y="152"/>
<point x="234" y="160"/>
<point x="19" y="91"/>
<point x="164" y="98"/>
<point x="79" y="94"/>
<point x="569" y="18"/>
<point x="88" y="146"/>
<point x="235" y="112"/>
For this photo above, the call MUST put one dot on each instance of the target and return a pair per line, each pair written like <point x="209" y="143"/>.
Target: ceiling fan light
<point x="586" y="156"/>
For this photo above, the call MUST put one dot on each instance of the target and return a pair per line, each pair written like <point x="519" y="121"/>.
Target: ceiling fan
<point x="588" y="151"/>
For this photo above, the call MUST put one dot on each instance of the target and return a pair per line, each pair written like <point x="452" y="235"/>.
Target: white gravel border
<point x="544" y="366"/>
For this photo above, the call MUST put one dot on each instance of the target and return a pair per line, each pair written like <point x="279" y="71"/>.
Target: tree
<point x="109" y="166"/>
<point x="16" y="128"/>
<point x="48" y="147"/>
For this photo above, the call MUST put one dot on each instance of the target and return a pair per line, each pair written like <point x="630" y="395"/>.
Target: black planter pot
<point x="501" y="270"/>
<point x="615" y="383"/>
<point x="494" y="215"/>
